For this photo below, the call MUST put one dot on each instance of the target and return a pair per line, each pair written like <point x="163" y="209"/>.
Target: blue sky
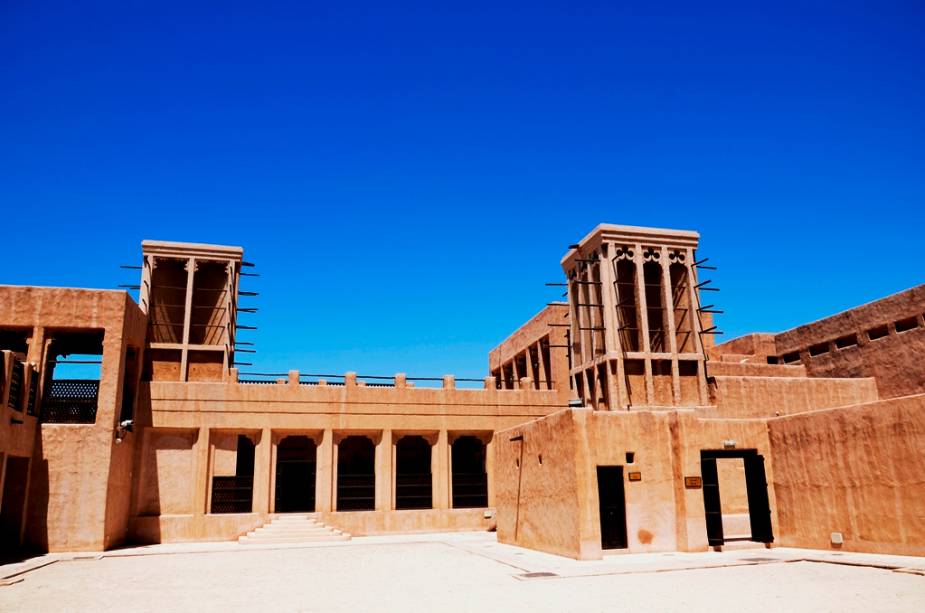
<point x="407" y="176"/>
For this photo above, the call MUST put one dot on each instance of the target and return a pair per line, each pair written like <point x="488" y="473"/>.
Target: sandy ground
<point x="454" y="572"/>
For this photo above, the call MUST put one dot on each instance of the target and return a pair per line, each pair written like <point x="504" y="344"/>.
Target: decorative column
<point x="643" y="316"/>
<point x="202" y="482"/>
<point x="324" y="471"/>
<point x="490" y="447"/>
<point x="274" y="450"/>
<point x="696" y="327"/>
<point x="187" y="315"/>
<point x="439" y="466"/>
<point x="671" y="332"/>
<point x="335" y="451"/>
<point x="262" y="471"/>
<point x="384" y="469"/>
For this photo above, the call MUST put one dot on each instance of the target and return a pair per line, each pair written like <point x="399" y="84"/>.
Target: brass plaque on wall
<point x="693" y="483"/>
<point x="634" y="476"/>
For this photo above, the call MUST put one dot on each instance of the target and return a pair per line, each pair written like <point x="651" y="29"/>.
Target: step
<point x="294" y="539"/>
<point x="296" y="528"/>
<point x="742" y="545"/>
<point x="270" y="532"/>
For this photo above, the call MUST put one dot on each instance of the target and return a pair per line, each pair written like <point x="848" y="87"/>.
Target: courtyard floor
<point x="457" y="572"/>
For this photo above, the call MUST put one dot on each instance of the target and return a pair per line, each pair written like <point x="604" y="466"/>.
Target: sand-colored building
<point x="612" y="421"/>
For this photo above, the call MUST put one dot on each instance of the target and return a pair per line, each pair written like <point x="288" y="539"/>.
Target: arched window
<point x="295" y="475"/>
<point x="356" y="474"/>
<point x="413" y="479"/>
<point x="470" y="482"/>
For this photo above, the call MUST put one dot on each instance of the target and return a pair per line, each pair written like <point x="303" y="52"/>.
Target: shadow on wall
<point x="144" y="526"/>
<point x="35" y="535"/>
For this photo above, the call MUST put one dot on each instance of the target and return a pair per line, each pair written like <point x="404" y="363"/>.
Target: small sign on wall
<point x="634" y="476"/>
<point x="693" y="483"/>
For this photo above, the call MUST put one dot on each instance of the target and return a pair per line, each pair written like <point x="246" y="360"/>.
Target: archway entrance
<point x="751" y="492"/>
<point x="413" y="480"/>
<point x="470" y="481"/>
<point x="295" y="475"/>
<point x="356" y="474"/>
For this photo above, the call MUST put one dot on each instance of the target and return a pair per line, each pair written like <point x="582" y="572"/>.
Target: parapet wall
<point x="884" y="339"/>
<point x="751" y="396"/>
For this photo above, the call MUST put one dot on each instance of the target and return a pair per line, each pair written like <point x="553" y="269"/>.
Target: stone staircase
<point x="293" y="528"/>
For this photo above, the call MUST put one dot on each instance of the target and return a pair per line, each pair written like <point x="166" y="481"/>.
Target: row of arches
<point x="356" y="474"/>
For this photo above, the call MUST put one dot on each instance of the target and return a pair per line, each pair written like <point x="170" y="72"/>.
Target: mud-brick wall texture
<point x="884" y="339"/>
<point x="859" y="471"/>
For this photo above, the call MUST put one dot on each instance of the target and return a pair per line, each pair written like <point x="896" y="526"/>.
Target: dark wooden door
<point x="711" y="502"/>
<point x="759" y="507"/>
<point x="612" y="506"/>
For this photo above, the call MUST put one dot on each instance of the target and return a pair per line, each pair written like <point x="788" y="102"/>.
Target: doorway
<point x="717" y="472"/>
<point x="470" y="481"/>
<point x="413" y="479"/>
<point x="13" y="503"/>
<point x="356" y="474"/>
<point x="612" y="507"/>
<point x="295" y="475"/>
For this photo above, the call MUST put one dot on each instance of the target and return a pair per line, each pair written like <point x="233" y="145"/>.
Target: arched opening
<point x="470" y="481"/>
<point x="655" y="311"/>
<point x="413" y="481"/>
<point x="626" y="305"/>
<point x="295" y="475"/>
<point x="356" y="474"/>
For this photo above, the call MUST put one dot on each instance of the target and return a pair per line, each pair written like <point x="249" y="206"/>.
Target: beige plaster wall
<point x="219" y="412"/>
<point x="859" y="471"/>
<point x="770" y="396"/>
<point x="561" y="513"/>
<point x="80" y="482"/>
<point x="166" y="472"/>
<point x="540" y="505"/>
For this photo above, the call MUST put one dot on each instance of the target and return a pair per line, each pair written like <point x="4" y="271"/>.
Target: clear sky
<point x="407" y="176"/>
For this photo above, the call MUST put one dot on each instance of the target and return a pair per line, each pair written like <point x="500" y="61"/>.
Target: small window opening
<point x="878" y="332"/>
<point x="904" y="325"/>
<point x="819" y="349"/>
<point x="773" y="359"/>
<point x="630" y="457"/>
<point x="849" y="340"/>
<point x="789" y="358"/>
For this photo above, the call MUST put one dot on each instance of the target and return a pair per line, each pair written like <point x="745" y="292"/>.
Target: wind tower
<point x="636" y="335"/>
<point x="190" y="293"/>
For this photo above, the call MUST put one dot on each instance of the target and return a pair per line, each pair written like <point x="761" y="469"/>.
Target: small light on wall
<point x="729" y="444"/>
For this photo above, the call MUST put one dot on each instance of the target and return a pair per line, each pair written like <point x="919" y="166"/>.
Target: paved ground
<point x="458" y="572"/>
